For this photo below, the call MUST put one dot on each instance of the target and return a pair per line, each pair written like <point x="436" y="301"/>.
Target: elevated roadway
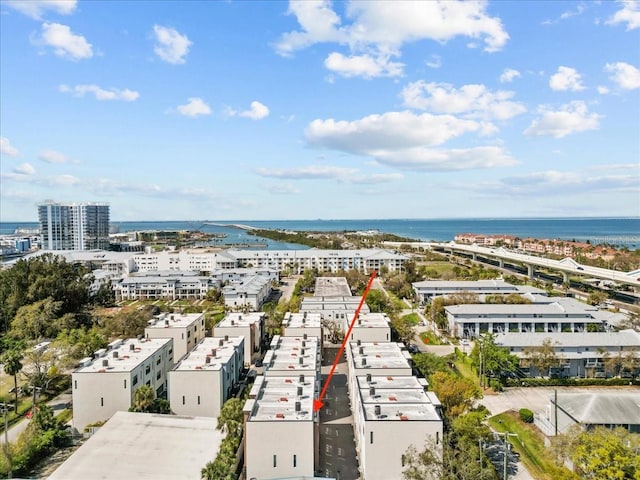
<point x="566" y="266"/>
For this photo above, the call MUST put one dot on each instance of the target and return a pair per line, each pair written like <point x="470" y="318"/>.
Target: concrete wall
<point x="198" y="393"/>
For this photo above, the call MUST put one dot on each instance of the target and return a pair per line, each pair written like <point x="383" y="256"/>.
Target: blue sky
<point x="316" y="109"/>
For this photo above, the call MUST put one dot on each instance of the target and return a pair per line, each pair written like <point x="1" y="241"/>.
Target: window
<point x="158" y="361"/>
<point x="158" y="375"/>
<point x="75" y="384"/>
<point x="275" y="463"/>
<point x="147" y="369"/>
<point x="402" y="459"/>
<point x="125" y="383"/>
<point x="183" y="399"/>
<point x="371" y="437"/>
<point x="295" y="461"/>
<point x="437" y="438"/>
<point x="135" y="380"/>
<point x="102" y="401"/>
<point x="198" y="399"/>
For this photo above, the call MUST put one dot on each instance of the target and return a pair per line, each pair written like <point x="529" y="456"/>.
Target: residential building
<point x="579" y="354"/>
<point x="299" y="324"/>
<point x="590" y="410"/>
<point x="106" y="384"/>
<point x="377" y="358"/>
<point x="171" y="285"/>
<point x="337" y="309"/>
<point x="293" y="356"/>
<point x="561" y="315"/>
<point x="247" y="325"/>
<point x="203" y="380"/>
<point x="332" y="287"/>
<point x="250" y="294"/>
<point x="369" y="327"/>
<point x="74" y="226"/>
<point x="143" y="446"/>
<point x="186" y="330"/>
<point x="281" y="428"/>
<point x="428" y="289"/>
<point x="390" y="414"/>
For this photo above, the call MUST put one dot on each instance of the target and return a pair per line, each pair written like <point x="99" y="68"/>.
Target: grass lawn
<point x="429" y="338"/>
<point x="463" y="366"/>
<point x="412" y="319"/>
<point x="530" y="445"/>
<point x="439" y="267"/>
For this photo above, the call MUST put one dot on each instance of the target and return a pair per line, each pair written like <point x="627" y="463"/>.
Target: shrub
<point x="526" y="415"/>
<point x="495" y="385"/>
<point x="579" y="382"/>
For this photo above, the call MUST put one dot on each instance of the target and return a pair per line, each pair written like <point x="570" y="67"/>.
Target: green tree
<point x="12" y="361"/>
<point x="104" y="296"/>
<point x="456" y="394"/>
<point x="543" y="357"/>
<point x="601" y="454"/>
<point x="230" y="419"/>
<point x="143" y="399"/>
<point x="36" y="320"/>
<point x="495" y="361"/>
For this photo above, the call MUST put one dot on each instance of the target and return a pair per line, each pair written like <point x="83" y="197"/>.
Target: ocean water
<point x="615" y="231"/>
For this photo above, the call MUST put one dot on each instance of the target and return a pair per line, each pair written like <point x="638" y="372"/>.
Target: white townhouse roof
<point x="122" y="355"/>
<point x="379" y="355"/>
<point x="278" y="399"/>
<point x="236" y="319"/>
<point x="470" y="285"/>
<point x="210" y="354"/>
<point x="623" y="338"/>
<point x="332" y="287"/>
<point x="302" y="320"/>
<point x="173" y="320"/>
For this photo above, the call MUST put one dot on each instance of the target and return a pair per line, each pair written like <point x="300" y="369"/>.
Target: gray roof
<point x="624" y="338"/>
<point x="145" y="446"/>
<point x="601" y="408"/>
<point x="468" y="284"/>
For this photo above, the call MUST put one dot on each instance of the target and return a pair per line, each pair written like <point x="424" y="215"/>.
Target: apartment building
<point x="429" y="289"/>
<point x="561" y="315"/>
<point x="292" y="356"/>
<point x="247" y="325"/>
<point x="105" y="384"/>
<point x="377" y="358"/>
<point x="580" y="354"/>
<point x="391" y="414"/>
<point x="74" y="226"/>
<point x="171" y="285"/>
<point x="332" y="287"/>
<point x="186" y="330"/>
<point x="203" y="380"/>
<point x="299" y="324"/>
<point x="369" y="327"/>
<point x="281" y="429"/>
<point x="250" y="293"/>
<point x="337" y="309"/>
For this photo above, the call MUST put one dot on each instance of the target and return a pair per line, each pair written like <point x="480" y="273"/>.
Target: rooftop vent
<point x="377" y="410"/>
<point x="302" y="352"/>
<point x="304" y="344"/>
<point x="299" y="391"/>
<point x="233" y="322"/>
<point x="213" y="352"/>
<point x="239" y="317"/>
<point x="372" y="391"/>
<point x="226" y="338"/>
<point x="301" y="360"/>
<point x="364" y="362"/>
<point x="105" y="363"/>
<point x="304" y="336"/>
<point x="359" y="321"/>
<point x="361" y="350"/>
<point x="301" y="378"/>
<point x="115" y="354"/>
<point x="368" y="378"/>
<point x="358" y="342"/>
<point x="221" y="342"/>
<point x="298" y="407"/>
<point x="172" y="317"/>
<point x="132" y="347"/>
<point x="207" y="360"/>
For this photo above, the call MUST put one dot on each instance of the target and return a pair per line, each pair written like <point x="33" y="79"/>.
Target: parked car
<point x="413" y="348"/>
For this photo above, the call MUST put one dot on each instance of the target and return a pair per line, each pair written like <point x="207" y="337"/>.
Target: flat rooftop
<point x="622" y="338"/>
<point x="379" y="355"/>
<point x="235" y="319"/>
<point x="217" y="350"/>
<point x="174" y="320"/>
<point x="469" y="285"/>
<point x="302" y="320"/>
<point x="332" y="287"/>
<point x="274" y="399"/>
<point x="145" y="446"/>
<point x="397" y="397"/>
<point x="123" y="355"/>
<point x="372" y="320"/>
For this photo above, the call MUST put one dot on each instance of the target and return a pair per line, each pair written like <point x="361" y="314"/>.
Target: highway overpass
<point x="566" y="266"/>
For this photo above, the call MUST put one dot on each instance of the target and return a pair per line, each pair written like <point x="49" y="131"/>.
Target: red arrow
<point x="317" y="404"/>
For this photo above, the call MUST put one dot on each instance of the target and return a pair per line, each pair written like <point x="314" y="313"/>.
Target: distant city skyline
<point x="316" y="109"/>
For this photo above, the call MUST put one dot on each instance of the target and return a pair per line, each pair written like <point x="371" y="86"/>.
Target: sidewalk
<point x="58" y="404"/>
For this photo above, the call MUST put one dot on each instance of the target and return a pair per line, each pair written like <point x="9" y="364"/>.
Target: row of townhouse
<point x="282" y="432"/>
<point x="392" y="409"/>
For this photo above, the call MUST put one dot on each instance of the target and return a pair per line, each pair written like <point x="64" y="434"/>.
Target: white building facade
<point x="247" y="325"/>
<point x="186" y="330"/>
<point x="74" y="226"/>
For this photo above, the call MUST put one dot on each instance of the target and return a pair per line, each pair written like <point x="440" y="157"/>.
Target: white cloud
<point x="65" y="43"/>
<point x="405" y="140"/>
<point x="581" y="7"/>
<point x="7" y="149"/>
<point x="364" y="66"/>
<point x="476" y="101"/>
<point x="194" y="107"/>
<point x="51" y="156"/>
<point x="101" y="93"/>
<point x="508" y="75"/>
<point x="602" y="90"/>
<point x="25" y="169"/>
<point x="573" y="117"/>
<point x="435" y="62"/>
<point x="628" y="14"/>
<point x="378" y="30"/>
<point x="283" y="189"/>
<point x="258" y="111"/>
<point x="326" y="172"/>
<point x="37" y="8"/>
<point x="172" y="46"/>
<point x="566" y="78"/>
<point x="624" y="75"/>
<point x="376" y="178"/>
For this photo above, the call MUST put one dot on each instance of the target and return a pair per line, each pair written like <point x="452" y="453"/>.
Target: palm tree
<point x="12" y="361"/>
<point x="143" y="399"/>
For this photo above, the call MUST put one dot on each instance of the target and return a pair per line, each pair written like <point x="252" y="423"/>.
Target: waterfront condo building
<point x="203" y="380"/>
<point x="186" y="330"/>
<point x="105" y="384"/>
<point x="74" y="226"/>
